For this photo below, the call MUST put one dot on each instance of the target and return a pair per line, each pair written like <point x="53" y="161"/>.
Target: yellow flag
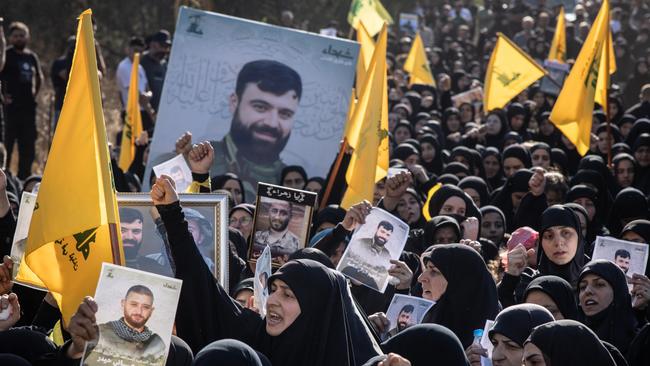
<point x="572" y="112"/>
<point x="365" y="55"/>
<point x="347" y="132"/>
<point x="425" y="207"/>
<point x="509" y="72"/>
<point x="608" y="63"/>
<point x="373" y="14"/>
<point x="417" y="64"/>
<point x="369" y="115"/>
<point x="133" y="125"/>
<point x="74" y="227"/>
<point x="558" y="45"/>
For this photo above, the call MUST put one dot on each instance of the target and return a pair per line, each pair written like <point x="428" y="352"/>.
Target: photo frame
<point x="146" y="249"/>
<point x="292" y="220"/>
<point x="135" y="317"/>
<point x="631" y="257"/>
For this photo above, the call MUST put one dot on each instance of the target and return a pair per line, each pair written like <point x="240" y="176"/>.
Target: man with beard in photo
<point x="263" y="106"/>
<point x="131" y="223"/>
<point x="368" y="259"/>
<point x="403" y="320"/>
<point x="278" y="237"/>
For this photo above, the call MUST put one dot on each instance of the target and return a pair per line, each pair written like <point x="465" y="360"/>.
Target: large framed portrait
<point x="135" y="316"/>
<point x="144" y="237"/>
<point x="282" y="221"/>
<point x="264" y="96"/>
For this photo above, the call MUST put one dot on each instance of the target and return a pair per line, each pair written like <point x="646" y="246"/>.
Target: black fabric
<point x="488" y="209"/>
<point x="471" y="295"/>
<point x="435" y="224"/>
<point x="220" y="180"/>
<point x="30" y="343"/>
<point x="594" y="179"/>
<point x="594" y="226"/>
<point x="332" y="214"/>
<point x="229" y="352"/>
<point x="516" y="322"/>
<point x="497" y="140"/>
<point x="404" y="151"/>
<point x="328" y="321"/>
<point x="442" y="346"/>
<point x="434" y="166"/>
<point x="293" y="168"/>
<point x="569" y="343"/>
<point x="559" y="290"/>
<point x="559" y="215"/>
<point x="497" y="180"/>
<point x="617" y="323"/>
<point x="619" y="360"/>
<point x="456" y="168"/>
<point x="477" y="184"/>
<point x="443" y="194"/>
<point x="313" y="254"/>
<point x="12" y="360"/>
<point x="630" y="203"/>
<point x="518" y="152"/>
<point x="639" y="353"/>
<point x="518" y="182"/>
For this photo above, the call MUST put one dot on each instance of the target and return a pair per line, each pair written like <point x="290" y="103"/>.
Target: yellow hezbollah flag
<point x="608" y="63"/>
<point x="365" y="55"/>
<point x="509" y="72"/>
<point x="133" y="125"/>
<point x="417" y="64"/>
<point x="373" y="14"/>
<point x="74" y="225"/>
<point x="558" y="45"/>
<point x="572" y="112"/>
<point x="369" y="115"/>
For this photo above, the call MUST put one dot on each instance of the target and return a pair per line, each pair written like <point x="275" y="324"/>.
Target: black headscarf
<point x="293" y="168"/>
<point x="559" y="290"/>
<point x="488" y="209"/>
<point x="595" y="179"/>
<point x="620" y="157"/>
<point x="639" y="353"/>
<point x="597" y="163"/>
<point x="456" y="168"/>
<point x="558" y="215"/>
<point x="435" y="165"/>
<point x="629" y="203"/>
<point x="498" y="180"/>
<point x="640" y="126"/>
<point x="466" y="153"/>
<point x="594" y="226"/>
<point x="641" y="228"/>
<point x="518" y="182"/>
<point x="515" y="109"/>
<point x="220" y="180"/>
<point x="332" y="214"/>
<point x="442" y="346"/>
<point x="447" y="191"/>
<point x="497" y="140"/>
<point x="543" y="146"/>
<point x="560" y="160"/>
<point x="330" y="329"/>
<point x="570" y="343"/>
<point x="517" y="321"/>
<point x="471" y="295"/>
<point x="616" y="324"/>
<point x="519" y="152"/>
<point x="435" y="224"/>
<point x="477" y="184"/>
<point x="229" y="352"/>
<point x="314" y="254"/>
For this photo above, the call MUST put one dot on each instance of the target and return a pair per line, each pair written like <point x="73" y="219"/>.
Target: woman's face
<point x="461" y="159"/>
<point x="492" y="227"/>
<point x="506" y="352"/>
<point x="541" y="158"/>
<point x="453" y="123"/>
<point x="546" y="127"/>
<point x="595" y="294"/>
<point x="445" y="235"/>
<point x="589" y="205"/>
<point x="632" y="236"/>
<point x="433" y="282"/>
<point x="242" y="221"/>
<point x="313" y="186"/>
<point x="282" y="308"/>
<point x="234" y="188"/>
<point x="408" y="208"/>
<point x="542" y="299"/>
<point x="625" y="173"/>
<point x="517" y="122"/>
<point x="494" y="125"/>
<point x="511" y="166"/>
<point x="412" y="160"/>
<point x="642" y="155"/>
<point x="474" y="196"/>
<point x="453" y="205"/>
<point x="533" y="356"/>
<point x="625" y="129"/>
<point x="491" y="166"/>
<point x="466" y="112"/>
<point x="294" y="180"/>
<point x="428" y="152"/>
<point x="604" y="141"/>
<point x="538" y="98"/>
<point x="560" y="244"/>
<point x="613" y="108"/>
<point x="401" y="134"/>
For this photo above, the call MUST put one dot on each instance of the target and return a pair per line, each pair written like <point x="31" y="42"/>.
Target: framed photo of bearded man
<point x="264" y="96"/>
<point x="144" y="237"/>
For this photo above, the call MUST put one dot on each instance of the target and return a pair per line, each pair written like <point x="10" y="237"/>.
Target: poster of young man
<point x="631" y="257"/>
<point x="135" y="316"/>
<point x="405" y="311"/>
<point x="282" y="221"/>
<point x="265" y="96"/>
<point x="373" y="244"/>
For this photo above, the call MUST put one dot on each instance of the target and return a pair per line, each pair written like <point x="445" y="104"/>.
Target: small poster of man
<point x="631" y="257"/>
<point x="135" y="316"/>
<point x="372" y="246"/>
<point x="262" y="274"/>
<point x="408" y="24"/>
<point x="404" y="312"/>
<point x="282" y="221"/>
<point x="27" y="203"/>
<point x="178" y="170"/>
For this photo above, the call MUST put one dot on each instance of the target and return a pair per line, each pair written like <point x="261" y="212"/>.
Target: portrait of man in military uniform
<point x="263" y="107"/>
<point x="128" y="340"/>
<point x="276" y="232"/>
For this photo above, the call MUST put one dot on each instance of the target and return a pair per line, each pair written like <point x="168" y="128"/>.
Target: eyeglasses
<point x="243" y="221"/>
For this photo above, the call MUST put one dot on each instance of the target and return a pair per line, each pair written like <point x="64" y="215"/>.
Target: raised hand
<point x="402" y="272"/>
<point x="6" y="268"/>
<point x="537" y="182"/>
<point x="395" y="188"/>
<point x="356" y="215"/>
<point x="200" y="157"/>
<point x="163" y="191"/>
<point x="82" y="327"/>
<point x="517" y="260"/>
<point x="184" y="143"/>
<point x="9" y="302"/>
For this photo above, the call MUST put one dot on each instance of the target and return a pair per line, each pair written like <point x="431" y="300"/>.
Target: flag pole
<point x="333" y="174"/>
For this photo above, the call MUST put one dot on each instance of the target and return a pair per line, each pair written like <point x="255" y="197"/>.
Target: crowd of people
<point x="503" y="213"/>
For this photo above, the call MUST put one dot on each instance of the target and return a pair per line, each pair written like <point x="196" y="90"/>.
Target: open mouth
<point x="591" y="302"/>
<point x="273" y="318"/>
